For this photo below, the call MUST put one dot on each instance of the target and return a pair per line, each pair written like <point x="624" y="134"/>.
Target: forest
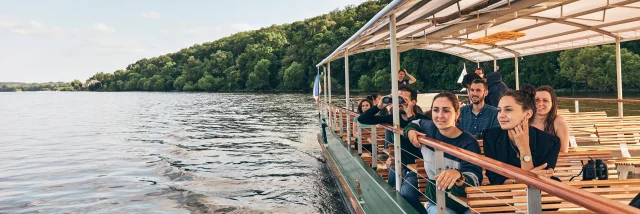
<point x="283" y="58"/>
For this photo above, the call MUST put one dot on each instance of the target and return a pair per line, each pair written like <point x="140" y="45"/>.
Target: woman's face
<point x="365" y="106"/>
<point x="543" y="103"/>
<point x="443" y="113"/>
<point x="510" y="113"/>
<point x="401" y="75"/>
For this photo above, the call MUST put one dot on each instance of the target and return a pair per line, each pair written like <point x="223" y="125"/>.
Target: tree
<point x="76" y="84"/>
<point x="259" y="78"/>
<point x="382" y="80"/>
<point x="292" y="77"/>
<point x="179" y="83"/>
<point x="366" y="83"/>
<point x="595" y="67"/>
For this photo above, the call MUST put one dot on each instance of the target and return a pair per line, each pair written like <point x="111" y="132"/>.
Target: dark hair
<point x="469" y="78"/>
<point x="480" y="81"/>
<point x="403" y="70"/>
<point x="414" y="93"/>
<point x="480" y="68"/>
<point x="452" y="97"/>
<point x="525" y="97"/>
<point x="553" y="113"/>
<point x="374" y="96"/>
<point x="360" y="105"/>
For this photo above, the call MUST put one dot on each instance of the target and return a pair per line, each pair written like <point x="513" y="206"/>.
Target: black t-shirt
<point x="402" y="84"/>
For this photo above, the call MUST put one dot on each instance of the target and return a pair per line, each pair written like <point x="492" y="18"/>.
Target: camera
<point x="387" y="100"/>
<point x="595" y="170"/>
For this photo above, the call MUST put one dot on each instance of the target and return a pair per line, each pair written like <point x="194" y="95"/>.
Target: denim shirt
<point x="474" y="124"/>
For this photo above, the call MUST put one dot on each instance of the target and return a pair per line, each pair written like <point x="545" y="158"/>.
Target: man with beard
<point x="479" y="116"/>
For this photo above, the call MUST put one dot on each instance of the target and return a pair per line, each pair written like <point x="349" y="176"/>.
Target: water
<point x="162" y="152"/>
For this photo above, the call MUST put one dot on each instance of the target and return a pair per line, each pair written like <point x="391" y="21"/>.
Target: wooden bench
<point x="514" y="196"/>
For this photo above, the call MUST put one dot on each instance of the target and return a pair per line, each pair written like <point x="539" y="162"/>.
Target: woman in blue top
<point x="459" y="174"/>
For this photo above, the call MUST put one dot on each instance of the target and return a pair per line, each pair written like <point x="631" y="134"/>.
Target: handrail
<point x="571" y="194"/>
<point x="579" y="197"/>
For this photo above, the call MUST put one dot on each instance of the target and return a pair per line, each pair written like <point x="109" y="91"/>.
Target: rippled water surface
<point x="162" y="152"/>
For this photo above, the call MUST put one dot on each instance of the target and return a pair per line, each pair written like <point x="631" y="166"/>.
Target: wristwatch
<point x="526" y="158"/>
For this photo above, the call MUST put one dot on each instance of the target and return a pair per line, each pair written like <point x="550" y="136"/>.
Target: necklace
<point x="515" y="150"/>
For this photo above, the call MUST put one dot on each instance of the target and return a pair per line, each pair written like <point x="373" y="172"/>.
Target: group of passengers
<point x="518" y="127"/>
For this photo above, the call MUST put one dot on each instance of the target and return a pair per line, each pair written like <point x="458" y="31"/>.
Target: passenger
<point x="401" y="79"/>
<point x="466" y="83"/>
<point x="459" y="174"/>
<point x="547" y="118"/>
<point x="515" y="142"/>
<point x="363" y="106"/>
<point x="496" y="88"/>
<point x="375" y="98"/>
<point x="480" y="72"/>
<point x="409" y="152"/>
<point x="477" y="117"/>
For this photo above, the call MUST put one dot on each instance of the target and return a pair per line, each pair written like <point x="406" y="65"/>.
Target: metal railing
<point x="535" y="184"/>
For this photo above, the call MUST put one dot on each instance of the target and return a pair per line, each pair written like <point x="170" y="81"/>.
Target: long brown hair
<point x="525" y="97"/>
<point x="553" y="113"/>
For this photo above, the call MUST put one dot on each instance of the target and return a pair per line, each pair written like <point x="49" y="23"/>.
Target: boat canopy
<point x="488" y="30"/>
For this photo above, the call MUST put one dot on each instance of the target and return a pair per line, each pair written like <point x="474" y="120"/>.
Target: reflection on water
<point x="167" y="152"/>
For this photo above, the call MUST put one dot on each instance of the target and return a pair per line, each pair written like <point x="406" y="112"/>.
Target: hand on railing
<point x="448" y="178"/>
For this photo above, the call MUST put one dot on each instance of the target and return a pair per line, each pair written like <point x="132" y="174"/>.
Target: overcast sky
<point x="62" y="40"/>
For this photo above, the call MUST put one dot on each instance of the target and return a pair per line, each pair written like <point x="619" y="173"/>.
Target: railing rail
<point x="568" y="193"/>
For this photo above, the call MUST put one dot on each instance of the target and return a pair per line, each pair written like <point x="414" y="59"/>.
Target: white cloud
<point x="242" y="27"/>
<point x="30" y="28"/>
<point x="115" y="46"/>
<point x="196" y="31"/>
<point x="100" y="27"/>
<point x="150" y="15"/>
<point x="164" y="31"/>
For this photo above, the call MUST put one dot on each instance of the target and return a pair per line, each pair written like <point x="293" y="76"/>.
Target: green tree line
<point x="48" y="86"/>
<point x="283" y="57"/>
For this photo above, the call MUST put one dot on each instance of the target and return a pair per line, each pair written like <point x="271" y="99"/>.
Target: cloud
<point x="150" y="15"/>
<point x="196" y="31"/>
<point x="164" y="31"/>
<point x="30" y="28"/>
<point x="100" y="27"/>
<point x="242" y="27"/>
<point x="115" y="46"/>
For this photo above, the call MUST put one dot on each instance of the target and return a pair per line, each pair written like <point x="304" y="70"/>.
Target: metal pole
<point x="577" y="104"/>
<point x="495" y="64"/>
<point x="534" y="200"/>
<point x="340" y="113"/>
<point x="394" y="93"/>
<point x="332" y="119"/>
<point x="324" y="76"/>
<point x="374" y="146"/>
<point x="359" y="138"/>
<point x="347" y="98"/>
<point x="440" y="195"/>
<point x="517" y="75"/>
<point x="619" y="77"/>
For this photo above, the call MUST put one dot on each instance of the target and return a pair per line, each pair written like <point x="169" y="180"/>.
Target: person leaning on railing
<point x="515" y="142"/>
<point x="363" y="106"/>
<point x="409" y="153"/>
<point x="547" y="118"/>
<point x="459" y="173"/>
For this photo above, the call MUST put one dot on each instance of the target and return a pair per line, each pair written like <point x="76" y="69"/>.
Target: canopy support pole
<point x="331" y="116"/>
<point x="324" y="74"/>
<point x="394" y="94"/>
<point x="619" y="77"/>
<point x="517" y="75"/>
<point x="347" y="97"/>
<point x="495" y="64"/>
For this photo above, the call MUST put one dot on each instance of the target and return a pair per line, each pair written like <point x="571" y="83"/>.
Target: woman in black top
<point x="517" y="144"/>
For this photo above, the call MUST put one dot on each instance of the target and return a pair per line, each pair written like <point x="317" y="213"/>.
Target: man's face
<point x="477" y="92"/>
<point x="407" y="96"/>
<point x="401" y="75"/>
<point x="479" y="72"/>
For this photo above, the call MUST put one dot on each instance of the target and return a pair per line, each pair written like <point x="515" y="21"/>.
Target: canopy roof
<point x="484" y="30"/>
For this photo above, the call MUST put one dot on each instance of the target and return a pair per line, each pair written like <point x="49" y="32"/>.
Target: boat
<point x="481" y="31"/>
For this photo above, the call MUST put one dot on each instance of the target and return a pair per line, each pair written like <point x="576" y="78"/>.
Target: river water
<point x="162" y="152"/>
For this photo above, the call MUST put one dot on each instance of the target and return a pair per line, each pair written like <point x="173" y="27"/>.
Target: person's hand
<point x="541" y="171"/>
<point x="447" y="179"/>
<point x="382" y="105"/>
<point x="520" y="135"/>
<point x="413" y="136"/>
<point x="408" y="108"/>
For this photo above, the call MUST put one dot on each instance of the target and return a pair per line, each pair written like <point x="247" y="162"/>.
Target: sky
<point x="62" y="40"/>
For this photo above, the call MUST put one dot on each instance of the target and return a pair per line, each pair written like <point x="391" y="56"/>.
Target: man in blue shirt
<point x="478" y="116"/>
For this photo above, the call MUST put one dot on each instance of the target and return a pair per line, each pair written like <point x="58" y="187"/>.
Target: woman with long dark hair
<point x="459" y="174"/>
<point x="547" y="118"/>
<point x="515" y="142"/>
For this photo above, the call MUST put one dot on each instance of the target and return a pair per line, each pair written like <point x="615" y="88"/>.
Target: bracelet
<point x="461" y="175"/>
<point x="513" y="181"/>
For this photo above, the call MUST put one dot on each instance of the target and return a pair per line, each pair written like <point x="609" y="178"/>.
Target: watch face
<point x="527" y="158"/>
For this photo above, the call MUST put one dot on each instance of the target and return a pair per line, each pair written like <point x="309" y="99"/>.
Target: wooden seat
<point x="514" y="195"/>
